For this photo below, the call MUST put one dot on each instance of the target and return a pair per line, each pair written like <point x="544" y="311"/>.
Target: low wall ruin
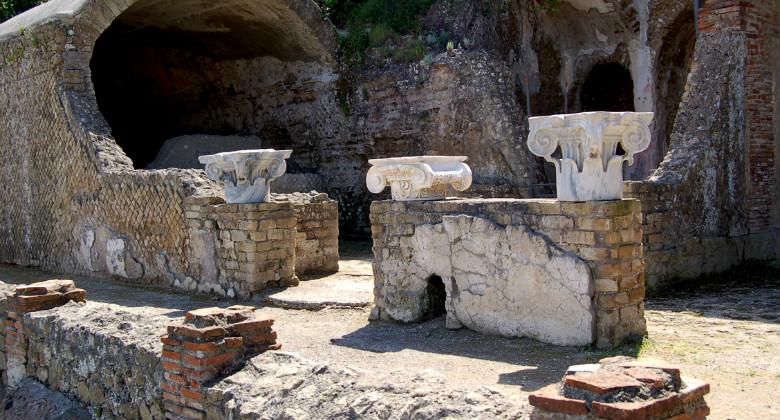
<point x="563" y="273"/>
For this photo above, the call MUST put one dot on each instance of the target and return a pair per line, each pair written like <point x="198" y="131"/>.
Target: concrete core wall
<point x="563" y="273"/>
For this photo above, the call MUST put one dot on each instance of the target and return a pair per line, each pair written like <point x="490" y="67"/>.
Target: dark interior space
<point x="436" y="295"/>
<point x="147" y="83"/>
<point x="674" y="65"/>
<point x="608" y="87"/>
<point x="159" y="73"/>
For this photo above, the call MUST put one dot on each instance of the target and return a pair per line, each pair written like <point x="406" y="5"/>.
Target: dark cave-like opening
<point x="608" y="87"/>
<point x="674" y="65"/>
<point x="435" y="298"/>
<point x="159" y="74"/>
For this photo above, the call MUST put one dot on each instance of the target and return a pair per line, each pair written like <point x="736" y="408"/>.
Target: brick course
<point x="210" y="342"/>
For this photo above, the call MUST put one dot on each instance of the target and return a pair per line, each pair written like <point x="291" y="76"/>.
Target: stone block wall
<point x="85" y="351"/>
<point x="247" y="247"/>
<point x="675" y="250"/>
<point x="317" y="235"/>
<point x="606" y="236"/>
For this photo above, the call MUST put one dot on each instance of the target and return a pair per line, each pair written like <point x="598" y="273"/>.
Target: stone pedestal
<point x="419" y="177"/>
<point x="562" y="273"/>
<point x="589" y="168"/>
<point x="246" y="174"/>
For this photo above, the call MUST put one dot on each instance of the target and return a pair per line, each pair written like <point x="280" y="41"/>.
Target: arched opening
<point x="608" y="87"/>
<point x="674" y="65"/>
<point x="219" y="74"/>
<point x="435" y="298"/>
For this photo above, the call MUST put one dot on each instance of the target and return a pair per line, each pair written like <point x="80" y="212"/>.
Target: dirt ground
<point x="726" y="331"/>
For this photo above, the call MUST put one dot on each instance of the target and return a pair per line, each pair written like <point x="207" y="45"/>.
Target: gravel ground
<point x="725" y="331"/>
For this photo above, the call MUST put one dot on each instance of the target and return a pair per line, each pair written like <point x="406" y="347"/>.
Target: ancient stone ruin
<point x="191" y="161"/>
<point x="621" y="388"/>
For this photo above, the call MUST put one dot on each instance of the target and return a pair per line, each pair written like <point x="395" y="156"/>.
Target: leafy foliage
<point x="11" y="8"/>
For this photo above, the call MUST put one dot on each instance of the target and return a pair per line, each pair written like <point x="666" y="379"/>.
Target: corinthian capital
<point x="246" y="174"/>
<point x="589" y="167"/>
<point x="419" y="177"/>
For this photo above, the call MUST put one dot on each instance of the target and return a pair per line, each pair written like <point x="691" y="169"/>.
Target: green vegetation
<point x="549" y="5"/>
<point x="372" y="23"/>
<point x="11" y="8"/>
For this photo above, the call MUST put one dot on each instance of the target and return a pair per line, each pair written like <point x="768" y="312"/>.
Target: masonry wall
<point x="246" y="247"/>
<point x="76" y="204"/>
<point x="317" y="236"/>
<point x="708" y="206"/>
<point x="606" y="235"/>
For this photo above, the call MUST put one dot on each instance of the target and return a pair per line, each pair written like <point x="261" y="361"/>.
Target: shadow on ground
<point x="542" y="364"/>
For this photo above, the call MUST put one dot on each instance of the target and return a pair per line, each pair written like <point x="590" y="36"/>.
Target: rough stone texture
<point x="284" y="385"/>
<point x="412" y="242"/>
<point x="246" y="247"/>
<point x="78" y="206"/>
<point x="699" y="216"/>
<point x="317" y="232"/>
<point x="32" y="400"/>
<point x="105" y="357"/>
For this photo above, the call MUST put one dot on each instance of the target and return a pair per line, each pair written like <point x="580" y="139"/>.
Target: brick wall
<point x="210" y="342"/>
<point x="607" y="235"/>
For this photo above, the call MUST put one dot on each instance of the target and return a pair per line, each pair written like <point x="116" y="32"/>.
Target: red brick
<point x="694" y="391"/>
<point x="171" y="367"/>
<point x="251" y="327"/>
<point x="601" y="382"/>
<point x="170" y="341"/>
<point x="650" y="377"/>
<point x="202" y="334"/>
<point x="171" y="377"/>
<point x="171" y="355"/>
<point x="548" y="399"/>
<point x="209" y="346"/>
<point x="636" y="410"/>
<point x="194" y="395"/>
<point x="213" y="361"/>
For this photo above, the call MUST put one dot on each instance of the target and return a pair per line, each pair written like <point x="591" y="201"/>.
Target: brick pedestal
<point x="622" y="388"/>
<point x="209" y="343"/>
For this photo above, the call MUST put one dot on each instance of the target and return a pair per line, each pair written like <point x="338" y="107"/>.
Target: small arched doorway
<point x="608" y="87"/>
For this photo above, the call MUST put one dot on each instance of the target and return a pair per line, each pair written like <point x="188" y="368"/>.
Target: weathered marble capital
<point x="419" y="177"/>
<point x="247" y="174"/>
<point x="589" y="167"/>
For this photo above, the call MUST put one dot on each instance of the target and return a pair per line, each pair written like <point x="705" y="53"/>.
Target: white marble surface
<point x="589" y="168"/>
<point x="246" y="174"/>
<point x="419" y="177"/>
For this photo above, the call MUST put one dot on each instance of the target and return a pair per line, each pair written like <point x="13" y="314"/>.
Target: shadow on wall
<point x="158" y="75"/>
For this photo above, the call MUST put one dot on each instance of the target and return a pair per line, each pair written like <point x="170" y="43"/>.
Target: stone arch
<point x="435" y="297"/>
<point x="161" y="69"/>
